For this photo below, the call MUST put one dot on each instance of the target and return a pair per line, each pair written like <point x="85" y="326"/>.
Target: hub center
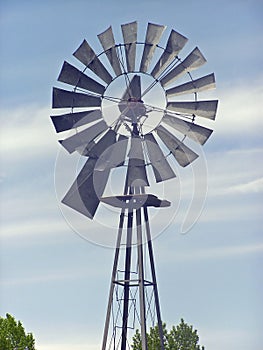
<point x="132" y="110"/>
<point x="124" y="107"/>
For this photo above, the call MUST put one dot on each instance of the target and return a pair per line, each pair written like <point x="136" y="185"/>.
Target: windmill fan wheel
<point x="123" y="107"/>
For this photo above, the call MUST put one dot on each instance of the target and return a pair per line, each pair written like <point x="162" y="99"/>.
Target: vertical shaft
<point x="141" y="279"/>
<point x="155" y="289"/>
<point x="125" y="314"/>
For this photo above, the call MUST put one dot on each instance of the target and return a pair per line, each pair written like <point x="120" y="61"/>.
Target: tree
<point x="181" y="337"/>
<point x="13" y="336"/>
<point x="153" y="339"/>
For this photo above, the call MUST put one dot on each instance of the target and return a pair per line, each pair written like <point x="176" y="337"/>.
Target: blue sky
<point x="55" y="281"/>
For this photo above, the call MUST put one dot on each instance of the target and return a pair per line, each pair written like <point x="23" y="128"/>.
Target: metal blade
<point x="69" y="121"/>
<point x="180" y="151"/>
<point x="71" y="75"/>
<point x="108" y="43"/>
<point x="205" y="109"/>
<point x="194" y="60"/>
<point x="161" y="168"/>
<point x="84" y="137"/>
<point x="197" y="133"/>
<point x="175" y="43"/>
<point x="87" y="56"/>
<point x="205" y="83"/>
<point x="134" y="89"/>
<point x="129" y="33"/>
<point x="89" y="186"/>
<point x="84" y="194"/>
<point x="114" y="156"/>
<point x="153" y="36"/>
<point x="63" y="98"/>
<point x="94" y="150"/>
<point x="136" y="175"/>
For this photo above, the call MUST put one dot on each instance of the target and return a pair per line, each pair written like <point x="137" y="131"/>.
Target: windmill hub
<point x="131" y="105"/>
<point x="134" y="110"/>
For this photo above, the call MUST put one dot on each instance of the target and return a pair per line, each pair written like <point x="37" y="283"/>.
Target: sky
<point x="55" y="266"/>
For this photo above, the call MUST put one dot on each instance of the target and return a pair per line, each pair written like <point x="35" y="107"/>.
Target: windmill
<point x="123" y="108"/>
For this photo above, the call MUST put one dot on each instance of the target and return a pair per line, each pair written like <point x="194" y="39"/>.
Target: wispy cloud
<point x="215" y="253"/>
<point x="236" y="171"/>
<point x="32" y="228"/>
<point x="27" y="129"/>
<point x="54" y="276"/>
<point x="254" y="186"/>
<point x="39" y="278"/>
<point x="240" y="109"/>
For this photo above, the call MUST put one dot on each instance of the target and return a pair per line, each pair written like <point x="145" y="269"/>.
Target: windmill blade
<point x="69" y="121"/>
<point x="183" y="154"/>
<point x="87" y="56"/>
<point x="94" y="150"/>
<point x="205" y="83"/>
<point x="133" y="91"/>
<point x="153" y="36"/>
<point x="72" y="76"/>
<point x="136" y="150"/>
<point x="175" y="43"/>
<point x="129" y="33"/>
<point x="205" y="109"/>
<point x="108" y="43"/>
<point x="161" y="167"/>
<point x="84" y="137"/>
<point x="194" y="60"/>
<point x="196" y="132"/>
<point x="62" y="99"/>
<point x="136" y="175"/>
<point x="84" y="194"/>
<point x="113" y="156"/>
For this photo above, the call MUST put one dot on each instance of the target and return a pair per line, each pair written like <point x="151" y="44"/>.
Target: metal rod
<point x="125" y="314"/>
<point x="113" y="277"/>
<point x="141" y="280"/>
<point x="114" y="272"/>
<point x="155" y="289"/>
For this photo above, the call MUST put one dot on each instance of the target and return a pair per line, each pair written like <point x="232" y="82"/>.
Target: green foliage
<point x="153" y="339"/>
<point x="181" y="337"/>
<point x="13" y="336"/>
<point x="137" y="341"/>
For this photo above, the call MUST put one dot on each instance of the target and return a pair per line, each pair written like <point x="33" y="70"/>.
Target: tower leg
<point x="155" y="289"/>
<point x="127" y="282"/>
<point x="113" y="276"/>
<point x="141" y="279"/>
